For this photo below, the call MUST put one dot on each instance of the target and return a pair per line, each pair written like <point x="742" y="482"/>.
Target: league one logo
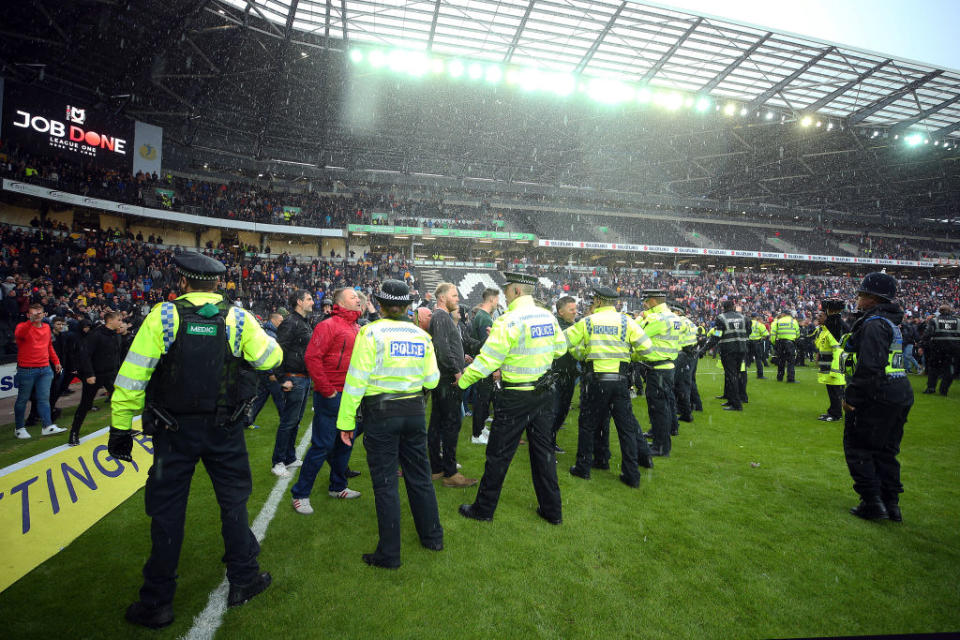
<point x="72" y="137"/>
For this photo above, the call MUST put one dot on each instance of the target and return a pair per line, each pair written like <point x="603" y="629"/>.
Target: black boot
<point x="870" y="509"/>
<point x="150" y="617"/>
<point x="240" y="593"/>
<point x="893" y="512"/>
<point x="74" y="439"/>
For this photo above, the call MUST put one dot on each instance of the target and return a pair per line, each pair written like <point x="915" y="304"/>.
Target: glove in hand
<point x="120" y="444"/>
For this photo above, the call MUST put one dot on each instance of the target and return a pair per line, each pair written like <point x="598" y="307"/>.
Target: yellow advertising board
<point x="48" y="500"/>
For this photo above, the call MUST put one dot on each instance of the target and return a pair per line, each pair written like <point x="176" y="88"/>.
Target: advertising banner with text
<point x="48" y="500"/>
<point x="46" y="123"/>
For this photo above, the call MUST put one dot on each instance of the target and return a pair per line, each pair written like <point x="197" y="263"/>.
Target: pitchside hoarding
<point x="44" y="123"/>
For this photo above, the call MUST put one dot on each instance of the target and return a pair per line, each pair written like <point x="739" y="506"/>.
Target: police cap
<point x="520" y="278"/>
<point x="831" y="304"/>
<point x="606" y="293"/>
<point x="879" y="284"/>
<point x="393" y="292"/>
<point x="196" y="266"/>
<point x="654" y="293"/>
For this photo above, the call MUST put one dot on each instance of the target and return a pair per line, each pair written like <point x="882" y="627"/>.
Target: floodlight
<point x="819" y="123"/>
<point x="563" y="84"/>
<point x="806" y="121"/>
<point x="703" y="104"/>
<point x="644" y="95"/>
<point x="730" y="109"/>
<point x="494" y="74"/>
<point x="475" y="71"/>
<point x="913" y="139"/>
<point x="455" y="69"/>
<point x="743" y="111"/>
<point x="356" y="56"/>
<point x="609" y="91"/>
<point x="829" y="126"/>
<point x="769" y="115"/>
<point x="436" y="65"/>
<point x="377" y="59"/>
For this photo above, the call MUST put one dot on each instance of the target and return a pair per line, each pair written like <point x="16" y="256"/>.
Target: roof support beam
<point x="780" y="86"/>
<point x="877" y="105"/>
<point x="903" y="124"/>
<point x="518" y="32"/>
<point x="433" y="25"/>
<point x="270" y="95"/>
<point x="596" y="43"/>
<point x="343" y="19"/>
<point x="830" y="97"/>
<point x="655" y="69"/>
<point x="720" y="77"/>
<point x="947" y="130"/>
<point x="326" y="25"/>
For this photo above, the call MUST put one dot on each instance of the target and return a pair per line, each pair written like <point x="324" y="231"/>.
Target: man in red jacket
<point x="327" y="359"/>
<point x="35" y="354"/>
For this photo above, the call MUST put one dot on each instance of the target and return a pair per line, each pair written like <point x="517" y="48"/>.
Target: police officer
<point x="687" y="356"/>
<point x="606" y="341"/>
<point x="731" y="339"/>
<point x="188" y="363"/>
<point x="878" y="399"/>
<point x="830" y="330"/>
<point x="523" y="343"/>
<point x="758" y="337"/>
<point x="393" y="361"/>
<point x="941" y="341"/>
<point x="783" y="334"/>
<point x="663" y="327"/>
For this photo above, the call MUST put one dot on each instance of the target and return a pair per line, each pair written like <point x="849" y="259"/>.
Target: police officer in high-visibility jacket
<point x="687" y="356"/>
<point x="523" y="343"/>
<point x="830" y="330"/>
<point x="392" y="362"/>
<point x="663" y="328"/>
<point x="607" y="341"/>
<point x="877" y="400"/>
<point x="190" y="363"/>
<point x="783" y="334"/>
<point x="758" y="337"/>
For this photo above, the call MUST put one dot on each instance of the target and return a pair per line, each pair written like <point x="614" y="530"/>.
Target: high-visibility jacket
<point x="830" y="352"/>
<point x="784" y="328"/>
<point x="663" y="327"/>
<point x="608" y="338"/>
<point x="758" y="331"/>
<point x="894" y="367"/>
<point x="389" y="356"/>
<point x="688" y="332"/>
<point x="523" y="343"/>
<point x="246" y="338"/>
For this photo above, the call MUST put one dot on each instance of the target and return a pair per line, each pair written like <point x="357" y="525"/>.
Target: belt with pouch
<point x="609" y="377"/>
<point x="378" y="402"/>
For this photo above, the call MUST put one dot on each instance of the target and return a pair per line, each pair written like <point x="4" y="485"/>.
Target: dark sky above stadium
<point x="921" y="30"/>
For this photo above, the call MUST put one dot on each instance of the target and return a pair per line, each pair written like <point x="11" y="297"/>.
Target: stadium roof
<point x="645" y="43"/>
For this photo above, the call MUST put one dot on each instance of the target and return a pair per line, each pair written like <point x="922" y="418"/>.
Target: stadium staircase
<point x="428" y="280"/>
<point x="696" y="239"/>
<point x="781" y="245"/>
<point x="852" y="249"/>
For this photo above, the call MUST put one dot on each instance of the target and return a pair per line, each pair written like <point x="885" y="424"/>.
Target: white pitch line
<point x="206" y="623"/>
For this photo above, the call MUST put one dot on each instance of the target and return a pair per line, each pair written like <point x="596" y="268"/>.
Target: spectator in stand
<point x="35" y="354"/>
<point x="101" y="355"/>
<point x="327" y="359"/>
<point x="293" y="336"/>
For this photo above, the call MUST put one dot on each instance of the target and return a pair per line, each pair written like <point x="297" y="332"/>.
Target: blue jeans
<point x="294" y="403"/>
<point x="908" y="359"/>
<point x="266" y="388"/>
<point x="325" y="445"/>
<point x="29" y="379"/>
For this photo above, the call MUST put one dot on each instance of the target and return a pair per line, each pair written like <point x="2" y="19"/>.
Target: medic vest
<point x="200" y="374"/>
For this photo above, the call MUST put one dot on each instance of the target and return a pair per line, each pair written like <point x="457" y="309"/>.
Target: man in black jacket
<point x="941" y="347"/>
<point x="101" y="355"/>
<point x="293" y="336"/>
<point x="878" y="399"/>
<point x="444" y="427"/>
<point x="566" y="366"/>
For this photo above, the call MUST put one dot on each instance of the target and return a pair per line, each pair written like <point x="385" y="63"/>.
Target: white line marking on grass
<point x="206" y="623"/>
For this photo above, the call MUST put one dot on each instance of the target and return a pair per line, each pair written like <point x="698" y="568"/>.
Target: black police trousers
<point x="734" y="385"/>
<point x="682" y="379"/>
<point x="175" y="456"/>
<point x="517" y="411"/>
<point x="391" y="440"/>
<point x="661" y="407"/>
<point x="695" y="402"/>
<point x="444" y="428"/>
<point x="835" y="394"/>
<point x="871" y="441"/>
<point x="610" y="399"/>
<point x="755" y="354"/>
<point x="601" y="435"/>
<point x="563" y="396"/>
<point x="786" y="359"/>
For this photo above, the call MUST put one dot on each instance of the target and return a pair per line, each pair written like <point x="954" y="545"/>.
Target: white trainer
<point x="346" y="494"/>
<point x="280" y="470"/>
<point x="302" y="506"/>
<point x="50" y="430"/>
<point x="480" y="439"/>
<point x="22" y="433"/>
<point x="296" y="463"/>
